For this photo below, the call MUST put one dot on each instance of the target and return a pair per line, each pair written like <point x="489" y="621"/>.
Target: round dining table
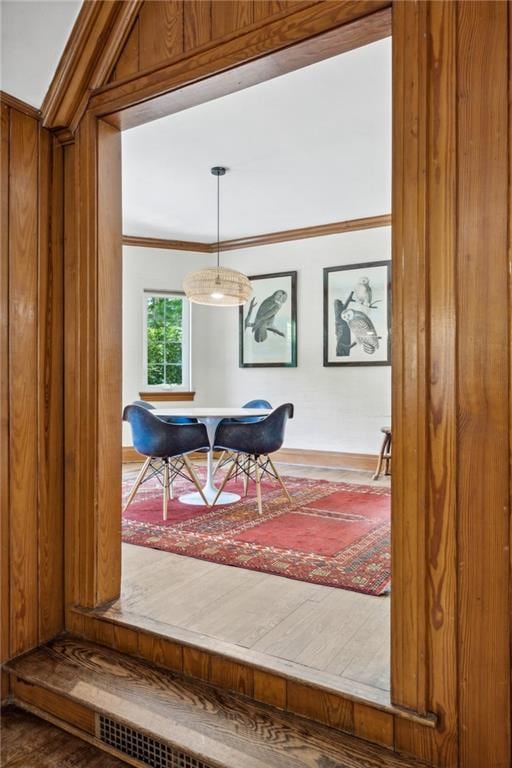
<point x="211" y="418"/>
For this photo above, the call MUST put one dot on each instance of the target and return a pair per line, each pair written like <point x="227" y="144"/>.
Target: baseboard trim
<point x="338" y="459"/>
<point x="130" y="455"/>
<point x="365" y="462"/>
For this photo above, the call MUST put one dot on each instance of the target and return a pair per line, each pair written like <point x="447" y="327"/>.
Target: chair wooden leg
<point x="138" y="481"/>
<point x="280" y="479"/>
<point x="380" y="459"/>
<point x="166" y="488"/>
<point x="387" y="456"/>
<point x="194" y="479"/>
<point x="258" y="485"/>
<point x="246" y="475"/>
<point x="224" y="482"/>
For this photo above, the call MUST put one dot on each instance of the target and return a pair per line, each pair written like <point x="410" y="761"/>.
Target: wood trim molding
<point x="303" y="233"/>
<point x="364" y="462"/>
<point x="21" y="106"/>
<point x="166" y="396"/>
<point x="238" y="62"/>
<point x="319" y="230"/>
<point x="131" y="456"/>
<point x="171" y="245"/>
<point x="89" y="57"/>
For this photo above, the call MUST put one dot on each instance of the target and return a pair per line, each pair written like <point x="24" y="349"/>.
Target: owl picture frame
<point x="357" y="314"/>
<point x="268" y="322"/>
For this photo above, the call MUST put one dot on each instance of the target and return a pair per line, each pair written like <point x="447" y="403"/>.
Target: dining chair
<point x="251" y="444"/>
<point x="169" y="420"/>
<point x="384" y="454"/>
<point x="166" y="447"/>
<point x="223" y="459"/>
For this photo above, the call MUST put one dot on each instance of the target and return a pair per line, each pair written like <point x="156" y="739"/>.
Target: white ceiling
<point x="310" y="147"/>
<point x="33" y="37"/>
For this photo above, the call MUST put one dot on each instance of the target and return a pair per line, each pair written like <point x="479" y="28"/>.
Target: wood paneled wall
<point x="31" y="382"/>
<point x="483" y="381"/>
<point x="184" y="25"/>
<point x="451" y="630"/>
<point x="92" y="257"/>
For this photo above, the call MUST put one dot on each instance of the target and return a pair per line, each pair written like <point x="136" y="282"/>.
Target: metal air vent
<point x="143" y="748"/>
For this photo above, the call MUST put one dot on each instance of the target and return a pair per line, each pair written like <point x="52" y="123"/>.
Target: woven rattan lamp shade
<point x="217" y="286"/>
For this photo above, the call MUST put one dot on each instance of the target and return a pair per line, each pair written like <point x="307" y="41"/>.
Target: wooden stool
<point x="385" y="453"/>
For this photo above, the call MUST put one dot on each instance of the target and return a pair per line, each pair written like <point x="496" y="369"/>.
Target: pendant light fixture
<point x="217" y="286"/>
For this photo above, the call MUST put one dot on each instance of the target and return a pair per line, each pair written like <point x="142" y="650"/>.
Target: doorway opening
<point x="301" y="588"/>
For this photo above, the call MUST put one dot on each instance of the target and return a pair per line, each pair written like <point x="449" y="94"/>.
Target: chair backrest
<point x="265" y="436"/>
<point x="144" y="404"/>
<point x="154" y="437"/>
<point x="168" y="419"/>
<point x="254" y="404"/>
<point x="257" y="404"/>
<point x="179" y="419"/>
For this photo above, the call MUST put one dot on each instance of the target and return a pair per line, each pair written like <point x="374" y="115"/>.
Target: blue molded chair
<point x="166" y="447"/>
<point x="169" y="420"/>
<point x="251" y="445"/>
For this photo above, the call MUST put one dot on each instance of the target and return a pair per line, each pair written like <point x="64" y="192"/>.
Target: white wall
<point x="33" y="36"/>
<point x="163" y="270"/>
<point x="336" y="409"/>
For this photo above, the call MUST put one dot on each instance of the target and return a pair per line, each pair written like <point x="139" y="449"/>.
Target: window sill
<point x="158" y="395"/>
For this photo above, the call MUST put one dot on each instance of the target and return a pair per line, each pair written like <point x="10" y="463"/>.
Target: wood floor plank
<point x="337" y="625"/>
<point x="245" y="615"/>
<point x="200" y="594"/>
<point x="217" y="727"/>
<point x="28" y="741"/>
<point x="315" y="631"/>
<point x="363" y="659"/>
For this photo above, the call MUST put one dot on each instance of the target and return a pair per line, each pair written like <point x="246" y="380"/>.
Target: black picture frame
<point x="291" y="327"/>
<point x="363" y="351"/>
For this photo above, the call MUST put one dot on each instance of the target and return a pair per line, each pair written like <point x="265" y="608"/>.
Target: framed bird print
<point x="268" y="322"/>
<point x="357" y="314"/>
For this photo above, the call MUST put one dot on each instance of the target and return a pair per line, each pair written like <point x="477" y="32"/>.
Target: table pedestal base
<point x="210" y="493"/>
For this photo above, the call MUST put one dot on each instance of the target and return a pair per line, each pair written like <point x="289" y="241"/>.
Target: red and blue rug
<point x="336" y="534"/>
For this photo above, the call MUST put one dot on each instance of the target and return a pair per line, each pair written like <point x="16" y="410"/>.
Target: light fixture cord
<point x="218" y="221"/>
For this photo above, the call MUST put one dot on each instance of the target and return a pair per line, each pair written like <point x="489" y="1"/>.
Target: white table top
<point x="212" y="413"/>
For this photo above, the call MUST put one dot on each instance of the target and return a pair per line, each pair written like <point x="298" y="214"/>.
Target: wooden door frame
<point x="431" y="514"/>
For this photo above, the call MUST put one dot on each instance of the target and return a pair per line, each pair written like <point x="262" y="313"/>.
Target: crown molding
<point x="89" y="57"/>
<point x="21" y="106"/>
<point x="172" y="245"/>
<point x="320" y="230"/>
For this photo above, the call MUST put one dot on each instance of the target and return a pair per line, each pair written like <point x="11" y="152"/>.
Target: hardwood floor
<point x="341" y="636"/>
<point x="29" y="742"/>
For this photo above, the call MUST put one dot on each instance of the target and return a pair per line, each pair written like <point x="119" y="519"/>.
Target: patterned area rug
<point x="336" y="534"/>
